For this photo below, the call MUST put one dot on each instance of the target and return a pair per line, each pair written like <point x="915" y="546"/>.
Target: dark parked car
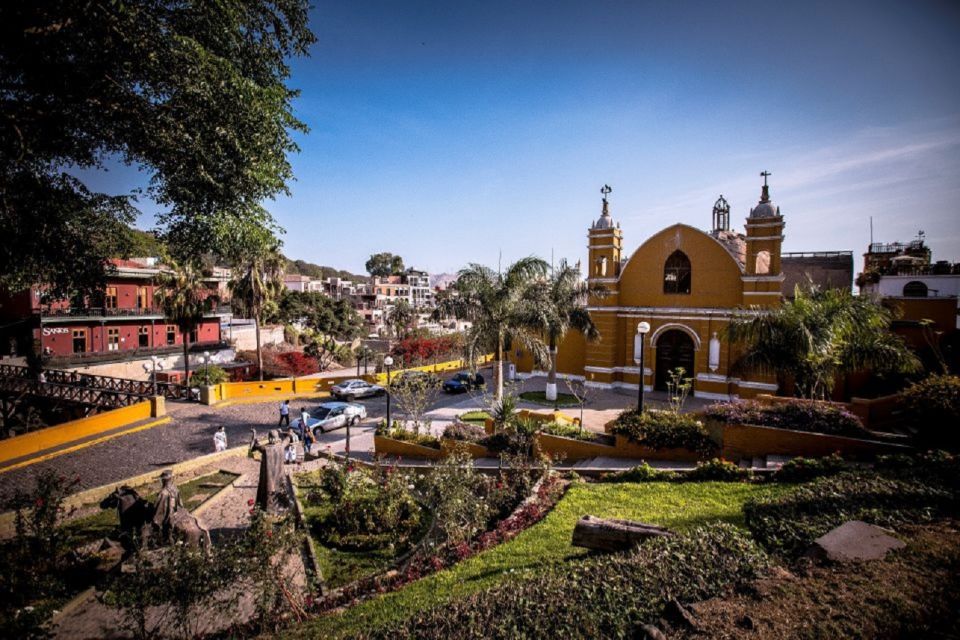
<point x="463" y="382"/>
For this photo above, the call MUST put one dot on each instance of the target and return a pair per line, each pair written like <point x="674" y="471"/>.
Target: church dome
<point x="765" y="208"/>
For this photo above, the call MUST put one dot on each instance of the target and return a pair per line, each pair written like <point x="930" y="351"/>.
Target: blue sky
<point x="449" y="132"/>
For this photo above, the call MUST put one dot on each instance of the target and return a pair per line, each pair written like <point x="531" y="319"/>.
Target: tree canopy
<point x="320" y="313"/>
<point x="384" y="264"/>
<point x="820" y="336"/>
<point x="195" y="93"/>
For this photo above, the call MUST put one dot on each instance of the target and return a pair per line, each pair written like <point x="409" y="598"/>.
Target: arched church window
<point x="676" y="273"/>
<point x="603" y="267"/>
<point x="915" y="289"/>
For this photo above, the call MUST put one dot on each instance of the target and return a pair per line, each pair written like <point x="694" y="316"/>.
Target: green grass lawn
<point x="102" y="523"/>
<point x="475" y="417"/>
<point x="540" y="397"/>
<point x="679" y="506"/>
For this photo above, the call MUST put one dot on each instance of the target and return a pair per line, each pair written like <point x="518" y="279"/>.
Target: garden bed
<point x="388" y="446"/>
<point x="747" y="441"/>
<point x="540" y="397"/>
<point x="544" y="545"/>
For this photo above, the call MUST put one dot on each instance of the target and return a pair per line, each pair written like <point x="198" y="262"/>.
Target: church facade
<point x="685" y="283"/>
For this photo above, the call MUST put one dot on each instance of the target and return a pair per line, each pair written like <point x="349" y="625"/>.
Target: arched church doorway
<point x="674" y="349"/>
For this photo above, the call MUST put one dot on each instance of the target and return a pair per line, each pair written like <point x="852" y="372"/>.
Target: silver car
<point x="353" y="389"/>
<point x="332" y="415"/>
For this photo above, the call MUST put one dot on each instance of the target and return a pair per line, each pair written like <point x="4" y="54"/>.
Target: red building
<point x="126" y="319"/>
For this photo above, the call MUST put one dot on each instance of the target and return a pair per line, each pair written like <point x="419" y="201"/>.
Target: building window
<point x="171" y="334"/>
<point x="193" y="335"/>
<point x="762" y="263"/>
<point x="143" y="302"/>
<point x="676" y="273"/>
<point x="79" y="340"/>
<point x="110" y="301"/>
<point x="915" y="289"/>
<point x="113" y="339"/>
<point x="143" y="335"/>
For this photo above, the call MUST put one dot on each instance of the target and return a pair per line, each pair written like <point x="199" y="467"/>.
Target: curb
<point x="41" y="457"/>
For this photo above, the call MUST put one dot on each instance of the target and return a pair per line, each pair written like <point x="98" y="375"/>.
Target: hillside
<point x="305" y="268"/>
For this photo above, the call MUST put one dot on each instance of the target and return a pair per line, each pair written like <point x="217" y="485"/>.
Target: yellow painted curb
<point x="83" y="445"/>
<point x="263" y="399"/>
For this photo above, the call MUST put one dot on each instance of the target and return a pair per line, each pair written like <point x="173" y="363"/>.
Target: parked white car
<point x="332" y="415"/>
<point x="353" y="389"/>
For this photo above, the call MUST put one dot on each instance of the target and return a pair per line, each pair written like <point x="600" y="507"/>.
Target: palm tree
<point x="500" y="308"/>
<point x="820" y="336"/>
<point x="401" y="317"/>
<point x="257" y="285"/>
<point x="185" y="300"/>
<point x="561" y="306"/>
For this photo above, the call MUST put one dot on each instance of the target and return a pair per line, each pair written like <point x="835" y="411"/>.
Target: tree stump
<point x="614" y="535"/>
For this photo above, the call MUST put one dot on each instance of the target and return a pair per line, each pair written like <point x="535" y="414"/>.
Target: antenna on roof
<point x="871" y="229"/>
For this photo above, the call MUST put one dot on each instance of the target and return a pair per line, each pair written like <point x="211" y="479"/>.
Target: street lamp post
<point x="206" y="366"/>
<point x="154" y="360"/>
<point x="388" y="362"/>
<point x="642" y="329"/>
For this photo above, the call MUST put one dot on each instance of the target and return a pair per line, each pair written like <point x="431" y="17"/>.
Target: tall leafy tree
<point x="184" y="299"/>
<point x="499" y="307"/>
<point x="384" y="264"/>
<point x="320" y="313"/>
<point x="561" y="305"/>
<point x="820" y="336"/>
<point x="194" y="93"/>
<point x="257" y="281"/>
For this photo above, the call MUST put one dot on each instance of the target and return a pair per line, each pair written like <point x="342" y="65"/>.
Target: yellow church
<point x="685" y="284"/>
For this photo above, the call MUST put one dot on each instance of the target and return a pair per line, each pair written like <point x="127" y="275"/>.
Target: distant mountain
<point x="304" y="268"/>
<point x="442" y="280"/>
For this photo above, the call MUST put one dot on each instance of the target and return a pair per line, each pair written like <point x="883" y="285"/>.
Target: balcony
<point x="109" y="313"/>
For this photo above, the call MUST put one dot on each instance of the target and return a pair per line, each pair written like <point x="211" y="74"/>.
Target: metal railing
<point x="116" y="312"/>
<point x="105" y="392"/>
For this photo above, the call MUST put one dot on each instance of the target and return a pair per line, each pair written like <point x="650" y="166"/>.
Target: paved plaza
<point x="189" y="433"/>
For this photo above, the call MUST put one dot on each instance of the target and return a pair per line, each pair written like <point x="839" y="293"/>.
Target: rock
<point x="853" y="541"/>
<point x="650" y="632"/>
<point x="746" y="622"/>
<point x="679" y="616"/>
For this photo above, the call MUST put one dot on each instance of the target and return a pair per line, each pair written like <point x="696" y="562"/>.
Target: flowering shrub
<point x="415" y="351"/>
<point x="665" y="430"/>
<point x="282" y="364"/>
<point x="465" y="432"/>
<point x="933" y="406"/>
<point x="398" y="432"/>
<point x="800" y="415"/>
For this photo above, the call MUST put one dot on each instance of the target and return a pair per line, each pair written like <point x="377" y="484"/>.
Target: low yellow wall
<point x="384" y="446"/>
<point x="51" y="437"/>
<point x="449" y="445"/>
<point x="287" y="387"/>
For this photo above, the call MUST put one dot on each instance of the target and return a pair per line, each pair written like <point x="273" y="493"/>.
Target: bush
<point x="801" y="415"/>
<point x="464" y="432"/>
<point x="806" y="469"/>
<point x="398" y="432"/>
<point x="717" y="469"/>
<point x="933" y="407"/>
<point x="615" y="593"/>
<point x="209" y="375"/>
<point x="665" y="430"/>
<point x="640" y="473"/>
<point x="567" y="431"/>
<point x="790" y="523"/>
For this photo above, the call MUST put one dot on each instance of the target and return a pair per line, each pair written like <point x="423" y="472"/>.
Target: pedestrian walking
<point x="284" y="414"/>
<point x="305" y="431"/>
<point x="220" y="439"/>
<point x="290" y="453"/>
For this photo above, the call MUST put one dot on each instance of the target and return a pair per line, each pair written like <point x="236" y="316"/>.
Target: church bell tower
<point x="605" y="241"/>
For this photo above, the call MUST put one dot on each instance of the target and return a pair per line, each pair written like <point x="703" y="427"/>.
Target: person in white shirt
<point x="220" y="439"/>
<point x="284" y="414"/>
